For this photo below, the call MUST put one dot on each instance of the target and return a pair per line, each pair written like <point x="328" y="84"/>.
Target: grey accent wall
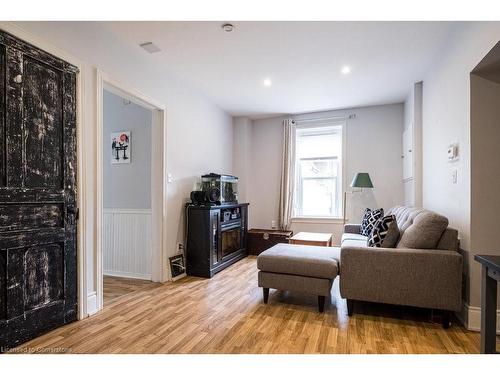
<point x="127" y="185"/>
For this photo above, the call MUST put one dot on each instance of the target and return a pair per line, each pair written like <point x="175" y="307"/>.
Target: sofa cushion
<point x="369" y="219"/>
<point x="352" y="228"/>
<point x="312" y="261"/>
<point x="385" y="233"/>
<point x="424" y="232"/>
<point x="355" y="243"/>
<point x="404" y="215"/>
<point x="449" y="240"/>
<point x="353" y="236"/>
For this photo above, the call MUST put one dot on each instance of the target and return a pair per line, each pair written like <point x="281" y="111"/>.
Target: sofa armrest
<point x="414" y="277"/>
<point x="352" y="228"/>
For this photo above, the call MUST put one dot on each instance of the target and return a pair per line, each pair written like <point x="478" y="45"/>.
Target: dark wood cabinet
<point x="216" y="237"/>
<point x="262" y="239"/>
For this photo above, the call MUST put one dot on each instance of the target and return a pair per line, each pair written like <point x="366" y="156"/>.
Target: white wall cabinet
<point x="408" y="153"/>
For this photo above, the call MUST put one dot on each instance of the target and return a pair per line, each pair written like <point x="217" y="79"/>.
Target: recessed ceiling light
<point x="150" y="47"/>
<point x="267" y="82"/>
<point x="345" y="70"/>
<point x="227" y="27"/>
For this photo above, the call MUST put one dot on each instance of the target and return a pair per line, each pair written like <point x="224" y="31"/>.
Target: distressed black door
<point x="38" y="212"/>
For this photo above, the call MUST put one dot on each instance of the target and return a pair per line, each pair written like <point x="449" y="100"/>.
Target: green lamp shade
<point x="362" y="180"/>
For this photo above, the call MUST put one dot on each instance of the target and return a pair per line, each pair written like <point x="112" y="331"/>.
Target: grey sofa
<point x="423" y="270"/>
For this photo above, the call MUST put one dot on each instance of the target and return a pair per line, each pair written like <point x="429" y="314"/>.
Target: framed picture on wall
<point x="177" y="268"/>
<point x="121" y="148"/>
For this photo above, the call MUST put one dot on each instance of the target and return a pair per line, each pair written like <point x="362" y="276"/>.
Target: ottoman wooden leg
<point x="266" y="294"/>
<point x="321" y="303"/>
<point x="446" y="319"/>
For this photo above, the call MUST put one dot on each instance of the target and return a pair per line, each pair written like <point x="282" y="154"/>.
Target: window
<point x="318" y="171"/>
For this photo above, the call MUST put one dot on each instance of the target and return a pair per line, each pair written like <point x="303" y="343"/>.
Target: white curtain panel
<point x="287" y="174"/>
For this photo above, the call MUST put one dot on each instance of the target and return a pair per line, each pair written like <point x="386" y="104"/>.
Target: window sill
<point x="317" y="220"/>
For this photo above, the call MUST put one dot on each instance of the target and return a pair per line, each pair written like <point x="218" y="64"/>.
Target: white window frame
<point x="316" y="123"/>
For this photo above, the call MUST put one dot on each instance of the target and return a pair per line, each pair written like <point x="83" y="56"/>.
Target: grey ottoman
<point x="299" y="268"/>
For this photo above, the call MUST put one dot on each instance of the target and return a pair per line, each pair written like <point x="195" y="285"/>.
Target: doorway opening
<point x="131" y="186"/>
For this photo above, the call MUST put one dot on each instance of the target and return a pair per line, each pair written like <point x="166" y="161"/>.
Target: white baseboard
<point x="92" y="303"/>
<point x="470" y="316"/>
<point x="128" y="275"/>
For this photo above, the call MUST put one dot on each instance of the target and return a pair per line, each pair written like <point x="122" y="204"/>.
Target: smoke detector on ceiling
<point x="150" y="47"/>
<point x="227" y="27"/>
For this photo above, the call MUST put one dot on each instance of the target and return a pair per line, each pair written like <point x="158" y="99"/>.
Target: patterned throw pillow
<point x="369" y="220"/>
<point x="385" y="232"/>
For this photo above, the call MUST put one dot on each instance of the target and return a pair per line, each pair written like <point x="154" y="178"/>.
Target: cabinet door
<point x="408" y="153"/>
<point x="215" y="243"/>
<point x="244" y="219"/>
<point x="38" y="281"/>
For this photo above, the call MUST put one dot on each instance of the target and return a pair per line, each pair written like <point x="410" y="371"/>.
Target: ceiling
<point x="302" y="59"/>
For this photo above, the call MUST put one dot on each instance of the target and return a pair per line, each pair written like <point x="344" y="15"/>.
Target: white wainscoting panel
<point x="126" y="243"/>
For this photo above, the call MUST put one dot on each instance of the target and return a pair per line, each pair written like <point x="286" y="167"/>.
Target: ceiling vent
<point x="150" y="47"/>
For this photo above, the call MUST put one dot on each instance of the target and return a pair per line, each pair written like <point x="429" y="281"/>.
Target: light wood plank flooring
<point x="115" y="287"/>
<point x="225" y="314"/>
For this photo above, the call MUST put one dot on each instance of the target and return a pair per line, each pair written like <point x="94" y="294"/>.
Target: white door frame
<point x="158" y="177"/>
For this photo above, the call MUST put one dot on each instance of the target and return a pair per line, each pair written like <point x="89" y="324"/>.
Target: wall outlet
<point x="273" y="224"/>
<point x="180" y="247"/>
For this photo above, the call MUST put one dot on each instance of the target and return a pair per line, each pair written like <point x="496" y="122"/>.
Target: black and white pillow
<point x="369" y="220"/>
<point x="385" y="232"/>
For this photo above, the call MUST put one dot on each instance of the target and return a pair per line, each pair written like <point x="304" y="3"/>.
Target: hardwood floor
<point x="225" y="314"/>
<point x="115" y="287"/>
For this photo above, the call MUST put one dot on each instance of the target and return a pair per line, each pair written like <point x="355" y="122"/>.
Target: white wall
<point x="373" y="145"/>
<point x="242" y="151"/>
<point x="127" y="185"/>
<point x="446" y="119"/>
<point x="199" y="134"/>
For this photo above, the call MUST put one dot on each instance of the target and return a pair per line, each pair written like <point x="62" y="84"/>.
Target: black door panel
<point x="38" y="280"/>
<point x="43" y="130"/>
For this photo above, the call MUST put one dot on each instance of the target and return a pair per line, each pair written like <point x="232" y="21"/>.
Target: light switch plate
<point x="452" y="152"/>
<point x="454" y="176"/>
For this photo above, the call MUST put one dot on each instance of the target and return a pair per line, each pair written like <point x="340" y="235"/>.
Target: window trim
<point x="317" y="123"/>
<point x="317" y="220"/>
